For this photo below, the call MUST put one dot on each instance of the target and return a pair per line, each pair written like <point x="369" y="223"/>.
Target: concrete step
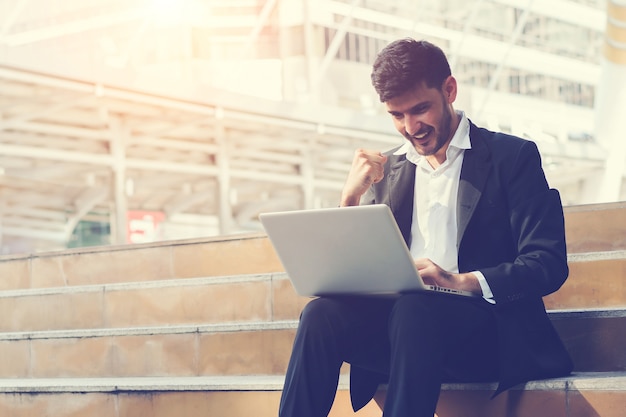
<point x="218" y="349"/>
<point x="580" y="395"/>
<point x="595" y="227"/>
<point x="246" y="297"/>
<point x="596" y="280"/>
<point x="221" y="256"/>
<point x="256" y="395"/>
<point x="259" y="297"/>
<point x="595" y="338"/>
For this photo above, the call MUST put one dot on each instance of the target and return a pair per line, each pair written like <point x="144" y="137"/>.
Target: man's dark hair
<point x="405" y="63"/>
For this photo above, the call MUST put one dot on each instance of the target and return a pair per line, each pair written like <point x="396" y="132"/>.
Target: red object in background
<point x="143" y="226"/>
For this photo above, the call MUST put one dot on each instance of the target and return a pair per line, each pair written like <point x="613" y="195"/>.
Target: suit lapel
<point x="474" y="172"/>
<point x="401" y="192"/>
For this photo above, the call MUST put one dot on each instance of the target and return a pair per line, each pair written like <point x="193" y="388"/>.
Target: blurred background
<point x="145" y="120"/>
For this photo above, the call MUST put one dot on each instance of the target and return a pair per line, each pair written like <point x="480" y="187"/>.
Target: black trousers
<point x="418" y="341"/>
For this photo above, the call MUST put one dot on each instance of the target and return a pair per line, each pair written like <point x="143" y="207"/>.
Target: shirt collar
<point x="460" y="141"/>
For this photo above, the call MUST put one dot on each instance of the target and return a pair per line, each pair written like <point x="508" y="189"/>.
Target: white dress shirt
<point x="434" y="226"/>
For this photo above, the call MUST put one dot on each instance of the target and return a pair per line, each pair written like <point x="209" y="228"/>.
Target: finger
<point x="422" y="263"/>
<point x="370" y="155"/>
<point x="383" y="159"/>
<point x="379" y="174"/>
<point x="369" y="165"/>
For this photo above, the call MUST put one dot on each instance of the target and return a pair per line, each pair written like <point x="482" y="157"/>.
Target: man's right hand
<point x="367" y="169"/>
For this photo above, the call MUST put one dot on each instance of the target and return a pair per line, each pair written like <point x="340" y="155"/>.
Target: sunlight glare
<point x="167" y="12"/>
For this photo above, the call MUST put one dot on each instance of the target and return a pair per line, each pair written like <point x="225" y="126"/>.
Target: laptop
<point x="349" y="250"/>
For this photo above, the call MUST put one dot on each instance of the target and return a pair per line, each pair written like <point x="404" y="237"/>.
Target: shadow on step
<point x="555" y="398"/>
<point x="521" y="403"/>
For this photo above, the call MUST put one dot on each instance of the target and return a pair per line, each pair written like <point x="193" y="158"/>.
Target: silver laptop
<point x="348" y="250"/>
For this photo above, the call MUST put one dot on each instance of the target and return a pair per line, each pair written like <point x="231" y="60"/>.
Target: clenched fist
<point x="367" y="169"/>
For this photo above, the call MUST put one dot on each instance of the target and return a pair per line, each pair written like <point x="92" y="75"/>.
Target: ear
<point x="449" y="89"/>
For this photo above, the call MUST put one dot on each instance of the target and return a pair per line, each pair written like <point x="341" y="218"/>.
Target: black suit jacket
<point x="511" y="228"/>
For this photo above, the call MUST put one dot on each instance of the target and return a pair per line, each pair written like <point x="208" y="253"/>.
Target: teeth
<point x="420" y="136"/>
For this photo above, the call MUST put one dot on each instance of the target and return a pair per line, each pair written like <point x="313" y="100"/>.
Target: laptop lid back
<point x="348" y="250"/>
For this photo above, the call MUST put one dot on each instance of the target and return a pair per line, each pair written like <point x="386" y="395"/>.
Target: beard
<point x="443" y="132"/>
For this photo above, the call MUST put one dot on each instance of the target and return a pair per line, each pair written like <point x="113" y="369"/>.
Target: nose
<point x="412" y="125"/>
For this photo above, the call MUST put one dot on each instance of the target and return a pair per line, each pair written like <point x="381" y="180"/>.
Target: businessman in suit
<point x="478" y="215"/>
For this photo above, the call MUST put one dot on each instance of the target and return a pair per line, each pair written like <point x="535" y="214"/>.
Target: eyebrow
<point x="416" y="108"/>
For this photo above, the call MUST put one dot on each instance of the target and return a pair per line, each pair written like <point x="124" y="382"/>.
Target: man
<point x="478" y="215"/>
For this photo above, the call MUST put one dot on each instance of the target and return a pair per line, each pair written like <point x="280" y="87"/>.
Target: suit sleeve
<point x="537" y="227"/>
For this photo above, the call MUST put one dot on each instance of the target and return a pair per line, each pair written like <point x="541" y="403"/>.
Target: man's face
<point x="425" y="117"/>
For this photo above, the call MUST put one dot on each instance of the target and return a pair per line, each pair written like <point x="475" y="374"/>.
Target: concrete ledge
<point x="152" y="330"/>
<point x="610" y="381"/>
<point x="580" y="381"/>
<point x="596" y="256"/>
<point x="166" y="283"/>
<point x="249" y="326"/>
<point x="587" y="313"/>
<point x="135" y="246"/>
<point x="82" y="385"/>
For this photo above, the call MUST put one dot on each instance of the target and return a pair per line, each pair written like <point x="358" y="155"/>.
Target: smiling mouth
<point x="421" y="135"/>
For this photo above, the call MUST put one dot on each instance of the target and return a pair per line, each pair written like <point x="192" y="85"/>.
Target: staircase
<point x="204" y="328"/>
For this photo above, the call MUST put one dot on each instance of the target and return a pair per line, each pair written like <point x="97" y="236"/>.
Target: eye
<point x="420" y="109"/>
